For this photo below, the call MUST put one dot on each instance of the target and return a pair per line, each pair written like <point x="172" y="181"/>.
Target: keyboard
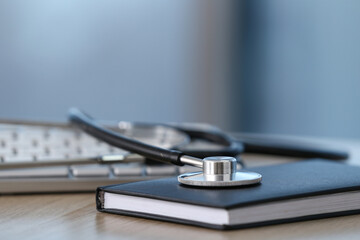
<point x="72" y="159"/>
<point x="82" y="178"/>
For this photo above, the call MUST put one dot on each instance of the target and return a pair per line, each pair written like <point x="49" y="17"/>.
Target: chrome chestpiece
<point x="219" y="172"/>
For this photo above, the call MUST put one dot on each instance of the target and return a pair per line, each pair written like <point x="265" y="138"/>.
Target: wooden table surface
<point x="73" y="216"/>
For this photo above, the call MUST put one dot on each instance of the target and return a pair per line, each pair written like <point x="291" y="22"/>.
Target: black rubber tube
<point x="229" y="147"/>
<point x="87" y="124"/>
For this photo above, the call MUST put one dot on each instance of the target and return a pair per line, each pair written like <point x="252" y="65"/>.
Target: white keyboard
<point x="24" y="145"/>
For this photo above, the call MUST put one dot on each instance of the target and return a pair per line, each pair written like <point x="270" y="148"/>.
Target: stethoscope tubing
<point x="87" y="124"/>
<point x="230" y="146"/>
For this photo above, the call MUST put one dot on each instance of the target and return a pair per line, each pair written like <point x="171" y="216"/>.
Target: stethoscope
<point x="219" y="165"/>
<point x="217" y="170"/>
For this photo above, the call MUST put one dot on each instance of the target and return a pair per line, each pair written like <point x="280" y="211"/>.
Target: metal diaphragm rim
<point x="241" y="178"/>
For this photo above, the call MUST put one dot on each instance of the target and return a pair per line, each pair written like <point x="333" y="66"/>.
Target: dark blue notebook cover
<point x="280" y="182"/>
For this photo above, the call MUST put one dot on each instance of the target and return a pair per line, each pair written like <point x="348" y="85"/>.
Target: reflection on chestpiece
<point x="219" y="172"/>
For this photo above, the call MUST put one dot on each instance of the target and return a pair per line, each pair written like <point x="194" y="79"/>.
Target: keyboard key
<point x="90" y="170"/>
<point x="8" y="134"/>
<point x="188" y="169"/>
<point x="18" y="158"/>
<point x="35" y="172"/>
<point x="46" y="158"/>
<point x="127" y="169"/>
<point x="156" y="170"/>
<point x="6" y="151"/>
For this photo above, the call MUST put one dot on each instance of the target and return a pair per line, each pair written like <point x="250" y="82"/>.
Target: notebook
<point x="289" y="192"/>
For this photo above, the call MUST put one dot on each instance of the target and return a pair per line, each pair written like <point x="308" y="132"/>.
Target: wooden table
<point x="73" y="216"/>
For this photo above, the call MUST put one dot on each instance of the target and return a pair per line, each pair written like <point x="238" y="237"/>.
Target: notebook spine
<point x="99" y="199"/>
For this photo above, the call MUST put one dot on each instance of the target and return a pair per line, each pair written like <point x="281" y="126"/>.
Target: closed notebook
<point x="289" y="192"/>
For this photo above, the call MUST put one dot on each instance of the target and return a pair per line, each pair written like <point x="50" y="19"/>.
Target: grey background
<point x="289" y="67"/>
<point x="301" y="67"/>
<point x="125" y="60"/>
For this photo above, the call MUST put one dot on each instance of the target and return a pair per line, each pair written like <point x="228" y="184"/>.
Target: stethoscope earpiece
<point x="219" y="172"/>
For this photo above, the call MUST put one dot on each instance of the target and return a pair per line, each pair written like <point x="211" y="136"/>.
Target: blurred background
<point x="280" y="67"/>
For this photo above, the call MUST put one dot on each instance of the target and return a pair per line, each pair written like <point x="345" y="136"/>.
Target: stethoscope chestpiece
<point x="219" y="172"/>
